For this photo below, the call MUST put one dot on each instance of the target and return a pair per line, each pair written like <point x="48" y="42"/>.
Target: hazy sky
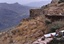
<point x="21" y="1"/>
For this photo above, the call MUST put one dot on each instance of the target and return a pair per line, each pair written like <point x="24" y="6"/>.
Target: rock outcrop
<point x="35" y="12"/>
<point x="57" y="1"/>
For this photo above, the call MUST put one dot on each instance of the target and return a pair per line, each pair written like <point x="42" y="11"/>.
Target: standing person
<point x="57" y="32"/>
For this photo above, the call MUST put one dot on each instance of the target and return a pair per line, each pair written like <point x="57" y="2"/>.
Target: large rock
<point x="34" y="12"/>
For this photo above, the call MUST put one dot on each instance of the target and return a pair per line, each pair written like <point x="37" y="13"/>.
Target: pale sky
<point x="21" y="1"/>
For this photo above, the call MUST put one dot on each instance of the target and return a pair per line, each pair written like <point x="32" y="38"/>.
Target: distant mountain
<point x="38" y="4"/>
<point x="11" y="14"/>
<point x="6" y="18"/>
<point x="20" y="9"/>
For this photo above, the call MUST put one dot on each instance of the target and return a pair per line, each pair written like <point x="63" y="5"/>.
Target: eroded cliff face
<point x="32" y="28"/>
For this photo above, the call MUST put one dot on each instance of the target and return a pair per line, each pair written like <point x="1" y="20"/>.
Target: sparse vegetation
<point x="47" y="21"/>
<point x="55" y="25"/>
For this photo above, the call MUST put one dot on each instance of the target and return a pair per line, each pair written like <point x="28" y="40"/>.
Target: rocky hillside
<point x="26" y="32"/>
<point x="32" y="28"/>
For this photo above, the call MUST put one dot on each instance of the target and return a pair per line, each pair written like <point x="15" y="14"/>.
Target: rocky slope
<point x="32" y="28"/>
<point x="25" y="33"/>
